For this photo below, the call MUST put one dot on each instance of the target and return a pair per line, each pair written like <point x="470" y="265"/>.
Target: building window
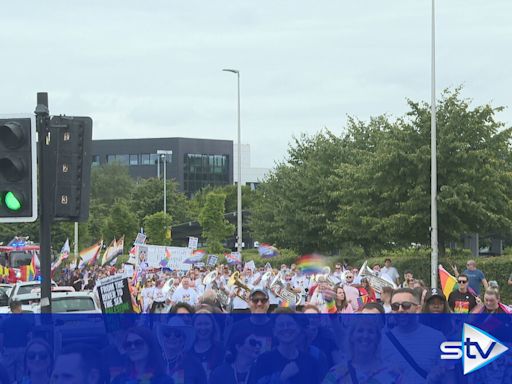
<point x="201" y="170"/>
<point x="111" y="159"/>
<point x="153" y="158"/>
<point x="144" y="159"/>
<point x="95" y="160"/>
<point x="134" y="159"/>
<point x="123" y="159"/>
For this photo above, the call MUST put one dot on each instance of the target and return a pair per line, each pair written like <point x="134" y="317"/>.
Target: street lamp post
<point x="433" y="164"/>
<point x="239" y="161"/>
<point x="163" y="155"/>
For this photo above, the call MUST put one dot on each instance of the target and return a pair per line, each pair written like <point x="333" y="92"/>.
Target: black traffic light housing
<point x="18" y="173"/>
<point x="70" y="151"/>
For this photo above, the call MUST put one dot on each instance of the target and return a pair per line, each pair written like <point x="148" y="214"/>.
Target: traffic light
<point x="71" y="139"/>
<point x="18" y="174"/>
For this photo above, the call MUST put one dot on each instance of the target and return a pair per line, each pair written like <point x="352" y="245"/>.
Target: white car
<point x="72" y="302"/>
<point x="23" y="288"/>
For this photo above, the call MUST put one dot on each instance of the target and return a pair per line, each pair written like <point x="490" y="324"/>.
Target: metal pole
<point x="239" y="239"/>
<point x="239" y="186"/>
<point x="46" y="201"/>
<point x="433" y="177"/>
<point x="75" y="249"/>
<point x="158" y="167"/>
<point x="164" y="158"/>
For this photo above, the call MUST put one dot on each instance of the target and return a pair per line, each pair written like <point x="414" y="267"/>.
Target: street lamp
<point x="433" y="162"/>
<point x="239" y="161"/>
<point x="163" y="155"/>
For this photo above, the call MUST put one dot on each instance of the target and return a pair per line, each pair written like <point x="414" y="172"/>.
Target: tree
<point x="156" y="227"/>
<point x="122" y="221"/>
<point x="111" y="182"/>
<point x="215" y="227"/>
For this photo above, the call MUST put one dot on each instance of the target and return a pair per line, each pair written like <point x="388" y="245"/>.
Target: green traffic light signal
<point x="13" y="202"/>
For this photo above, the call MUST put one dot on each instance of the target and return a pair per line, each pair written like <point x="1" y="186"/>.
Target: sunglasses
<point x="406" y="305"/>
<point x="462" y="281"/>
<point x="37" y="355"/>
<point x="133" y="344"/>
<point x="254" y="343"/>
<point x="175" y="334"/>
<point x="261" y="300"/>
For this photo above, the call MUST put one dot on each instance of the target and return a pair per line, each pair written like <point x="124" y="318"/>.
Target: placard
<point x="212" y="260"/>
<point x="114" y="294"/>
<point x="192" y="242"/>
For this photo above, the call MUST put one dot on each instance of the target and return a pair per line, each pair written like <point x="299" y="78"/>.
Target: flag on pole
<point x="267" y="251"/>
<point x="196" y="257"/>
<point x="233" y="258"/>
<point x="89" y="255"/>
<point x="311" y="264"/>
<point x="108" y="251"/>
<point x="118" y="251"/>
<point x="448" y="282"/>
<point x="166" y="259"/>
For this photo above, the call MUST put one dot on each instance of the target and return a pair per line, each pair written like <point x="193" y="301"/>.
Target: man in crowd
<point x="410" y="335"/>
<point x="390" y="271"/>
<point x="351" y="292"/>
<point x="185" y="294"/>
<point x="79" y="364"/>
<point x="408" y="280"/>
<point x="461" y="300"/>
<point x="475" y="276"/>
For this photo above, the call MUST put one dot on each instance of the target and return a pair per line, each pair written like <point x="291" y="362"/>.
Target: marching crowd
<point x="265" y="342"/>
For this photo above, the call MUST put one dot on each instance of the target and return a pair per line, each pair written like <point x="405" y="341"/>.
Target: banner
<point x="114" y="294"/>
<point x="151" y="256"/>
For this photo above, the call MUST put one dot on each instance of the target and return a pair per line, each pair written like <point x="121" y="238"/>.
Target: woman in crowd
<point x="370" y="292"/>
<point x="242" y="353"/>
<point x="145" y="363"/>
<point x="342" y="304"/>
<point x="38" y="362"/>
<point x="364" y="365"/>
<point x="177" y="338"/>
<point x="207" y="347"/>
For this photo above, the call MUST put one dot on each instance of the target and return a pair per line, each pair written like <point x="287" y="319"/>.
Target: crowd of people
<point x="266" y="342"/>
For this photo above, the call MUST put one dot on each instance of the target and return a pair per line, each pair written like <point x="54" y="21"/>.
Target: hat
<point x="435" y="292"/>
<point x="259" y="290"/>
<point x="176" y="323"/>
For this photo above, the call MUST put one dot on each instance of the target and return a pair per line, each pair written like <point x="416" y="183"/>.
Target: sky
<point x="154" y="68"/>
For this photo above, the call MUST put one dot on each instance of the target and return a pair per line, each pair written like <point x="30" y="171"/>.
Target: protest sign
<point x="140" y="239"/>
<point x="192" y="242"/>
<point x="151" y="257"/>
<point x="114" y="294"/>
<point x="212" y="260"/>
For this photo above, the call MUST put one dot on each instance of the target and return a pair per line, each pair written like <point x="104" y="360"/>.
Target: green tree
<point x="156" y="227"/>
<point x="111" y="182"/>
<point x="215" y="227"/>
<point x="122" y="221"/>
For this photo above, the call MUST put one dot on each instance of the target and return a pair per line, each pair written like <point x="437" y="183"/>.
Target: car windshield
<point x="20" y="258"/>
<point x="72" y="304"/>
<point x="24" y="289"/>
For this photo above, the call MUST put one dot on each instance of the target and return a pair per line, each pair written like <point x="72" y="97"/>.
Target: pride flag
<point x="448" y="282"/>
<point x="196" y="257"/>
<point x="233" y="258"/>
<point x="89" y="255"/>
<point x="166" y="259"/>
<point x="267" y="251"/>
<point x="311" y="264"/>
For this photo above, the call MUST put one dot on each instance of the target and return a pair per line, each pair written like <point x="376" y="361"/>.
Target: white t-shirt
<point x="183" y="295"/>
<point x="158" y="295"/>
<point x="391" y="272"/>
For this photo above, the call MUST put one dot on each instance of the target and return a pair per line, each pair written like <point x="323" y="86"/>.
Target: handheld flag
<point x="89" y="255"/>
<point x="448" y="282"/>
<point x="311" y="264"/>
<point x="267" y="251"/>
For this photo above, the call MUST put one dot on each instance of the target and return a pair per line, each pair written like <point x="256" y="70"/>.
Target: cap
<point x="259" y="290"/>
<point x="435" y="292"/>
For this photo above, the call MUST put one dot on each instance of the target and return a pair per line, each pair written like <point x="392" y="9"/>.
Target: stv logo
<point x="477" y="349"/>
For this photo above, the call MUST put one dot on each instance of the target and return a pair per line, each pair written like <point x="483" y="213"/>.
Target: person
<point x="145" y="362"/>
<point x="410" y="335"/>
<point x="285" y="362"/>
<point x="366" y="291"/>
<point x="258" y="323"/>
<point x="408" y="280"/>
<point x="365" y="364"/>
<point x="15" y="331"/>
<point x="461" y="300"/>
<point x="390" y="271"/>
<point x="207" y="347"/>
<point x="385" y="298"/>
<point x="475" y="276"/>
<point x="185" y="293"/>
<point x="242" y="353"/>
<point x="158" y="298"/>
<point x="492" y="303"/>
<point x="38" y="362"/>
<point x="435" y="302"/>
<point x="79" y="364"/>
<point x="177" y="338"/>
<point x="373" y="308"/>
<point x="342" y="304"/>
<point x="351" y="292"/>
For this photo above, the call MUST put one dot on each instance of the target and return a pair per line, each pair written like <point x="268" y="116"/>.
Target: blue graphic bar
<point x="256" y="349"/>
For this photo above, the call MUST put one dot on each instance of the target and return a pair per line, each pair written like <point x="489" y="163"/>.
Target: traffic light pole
<point x="46" y="201"/>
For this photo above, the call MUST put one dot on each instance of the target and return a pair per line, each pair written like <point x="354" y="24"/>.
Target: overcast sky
<point x="153" y="68"/>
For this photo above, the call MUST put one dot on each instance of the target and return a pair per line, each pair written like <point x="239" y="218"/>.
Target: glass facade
<point x="203" y="170"/>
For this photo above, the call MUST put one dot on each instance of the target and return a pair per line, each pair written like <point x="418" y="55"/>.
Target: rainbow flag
<point x="233" y="258"/>
<point x="196" y="257"/>
<point x="311" y="264"/>
<point x="89" y="255"/>
<point x="266" y="251"/>
<point x="448" y="282"/>
<point x="106" y="255"/>
<point x="28" y="272"/>
<point x="166" y="259"/>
